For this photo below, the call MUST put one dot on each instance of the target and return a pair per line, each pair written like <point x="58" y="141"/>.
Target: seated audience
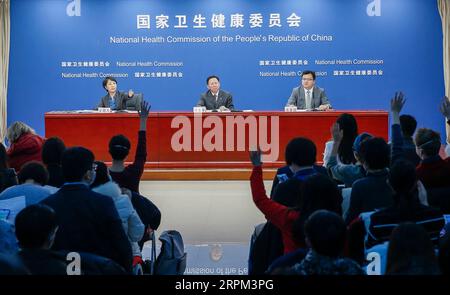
<point x="25" y="145"/>
<point x="346" y="173"/>
<point x="119" y="147"/>
<point x="433" y="171"/>
<point x="298" y="155"/>
<point x="8" y="175"/>
<point x="131" y="222"/>
<point x="408" y="126"/>
<point x="52" y="151"/>
<point x="88" y="221"/>
<point x="411" y="252"/>
<point x="406" y="207"/>
<point x="325" y="233"/>
<point x="36" y="227"/>
<point x="371" y="192"/>
<point x="320" y="192"/>
<point x="32" y="178"/>
<point x="302" y="155"/>
<point x="348" y="126"/>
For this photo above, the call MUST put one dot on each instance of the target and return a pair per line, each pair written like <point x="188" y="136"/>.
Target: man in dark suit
<point x="308" y="96"/>
<point x="88" y="221"/>
<point x="214" y="98"/>
<point x="114" y="99"/>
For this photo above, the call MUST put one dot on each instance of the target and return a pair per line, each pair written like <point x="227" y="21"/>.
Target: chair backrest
<point x="134" y="103"/>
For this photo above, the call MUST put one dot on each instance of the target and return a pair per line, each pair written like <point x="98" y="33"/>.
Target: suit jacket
<point x="89" y="222"/>
<point x="298" y="97"/>
<point x="209" y="101"/>
<point x="120" y="99"/>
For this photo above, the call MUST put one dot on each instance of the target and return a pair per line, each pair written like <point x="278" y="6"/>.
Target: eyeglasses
<point x="307" y="79"/>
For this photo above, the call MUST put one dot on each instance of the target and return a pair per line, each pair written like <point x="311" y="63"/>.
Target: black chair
<point x="134" y="103"/>
<point x="439" y="198"/>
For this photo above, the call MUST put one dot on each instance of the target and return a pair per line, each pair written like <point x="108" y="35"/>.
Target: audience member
<point x="371" y="192"/>
<point x="411" y="252"/>
<point x="406" y="207"/>
<point x="32" y="178"/>
<point x="52" y="151"/>
<point x="8" y="176"/>
<point x="36" y="227"/>
<point x="408" y="125"/>
<point x="433" y="171"/>
<point x="301" y="153"/>
<point x="25" y="145"/>
<point x="88" y="221"/>
<point x="347" y="124"/>
<point x="119" y="147"/>
<point x="325" y="235"/>
<point x="131" y="222"/>
<point x="346" y="173"/>
<point x="319" y="191"/>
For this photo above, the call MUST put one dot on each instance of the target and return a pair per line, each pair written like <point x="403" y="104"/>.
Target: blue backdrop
<point x="362" y="50"/>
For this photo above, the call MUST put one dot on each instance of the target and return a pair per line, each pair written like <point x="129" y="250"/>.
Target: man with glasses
<point x="88" y="221"/>
<point x="308" y="96"/>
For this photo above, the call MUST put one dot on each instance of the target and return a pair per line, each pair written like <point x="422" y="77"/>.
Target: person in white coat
<point x="131" y="222"/>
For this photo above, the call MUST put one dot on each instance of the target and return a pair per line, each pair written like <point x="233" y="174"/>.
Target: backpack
<point x="172" y="258"/>
<point x="266" y="246"/>
<point x="148" y="213"/>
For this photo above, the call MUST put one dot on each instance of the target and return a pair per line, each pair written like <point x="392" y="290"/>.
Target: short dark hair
<point x="403" y="179"/>
<point x="375" y="153"/>
<point x="318" y="192"/>
<point x="326" y="231"/>
<point x="300" y="151"/>
<point x="119" y="147"/>
<point x="52" y="151"/>
<point x="429" y="141"/>
<point x="101" y="176"/>
<point x="309" y="72"/>
<point x="212" y="77"/>
<point x="109" y="78"/>
<point x="33" y="170"/>
<point x="34" y="224"/>
<point x="408" y="125"/>
<point x="76" y="161"/>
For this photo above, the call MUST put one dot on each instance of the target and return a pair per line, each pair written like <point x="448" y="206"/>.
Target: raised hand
<point x="145" y="109"/>
<point x="337" y="133"/>
<point x="397" y="102"/>
<point x="255" y="157"/>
